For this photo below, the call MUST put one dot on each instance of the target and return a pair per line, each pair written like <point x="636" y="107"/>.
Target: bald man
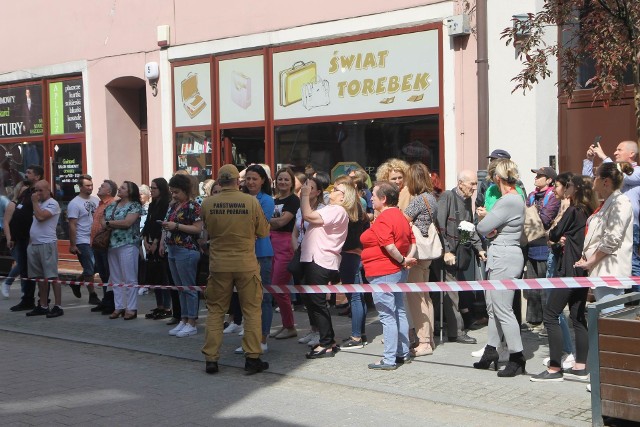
<point x="42" y="251"/>
<point x="454" y="206"/>
<point x="626" y="151"/>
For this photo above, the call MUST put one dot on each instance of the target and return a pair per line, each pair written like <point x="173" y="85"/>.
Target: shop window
<point x="367" y="142"/>
<point x="67" y="168"/>
<point x="193" y="151"/>
<point x="246" y="146"/>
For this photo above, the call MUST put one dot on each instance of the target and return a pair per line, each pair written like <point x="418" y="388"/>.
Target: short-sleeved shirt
<point x="20" y="223"/>
<point x="290" y="204"/>
<point x="184" y="213"/>
<point x="323" y="243"/>
<point x="301" y="225"/>
<point x="82" y="210"/>
<point x="420" y="214"/>
<point x="389" y="227"/>
<point x="43" y="232"/>
<point x="263" y="244"/>
<point x="124" y="236"/>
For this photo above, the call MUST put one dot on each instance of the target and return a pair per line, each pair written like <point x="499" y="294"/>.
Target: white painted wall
<point x="524" y="125"/>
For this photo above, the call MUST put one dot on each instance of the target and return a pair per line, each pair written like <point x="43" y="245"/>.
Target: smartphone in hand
<point x="596" y="141"/>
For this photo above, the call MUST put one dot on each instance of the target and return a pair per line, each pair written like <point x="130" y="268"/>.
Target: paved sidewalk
<point x="445" y="379"/>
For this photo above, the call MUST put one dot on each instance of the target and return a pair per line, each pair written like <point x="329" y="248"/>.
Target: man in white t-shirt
<point x="42" y="251"/>
<point x="80" y="214"/>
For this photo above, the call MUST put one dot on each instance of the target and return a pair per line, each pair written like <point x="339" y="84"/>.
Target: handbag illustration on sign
<point x="429" y="247"/>
<point x="240" y="90"/>
<point x="293" y="79"/>
<point x="315" y="94"/>
<point x="191" y="100"/>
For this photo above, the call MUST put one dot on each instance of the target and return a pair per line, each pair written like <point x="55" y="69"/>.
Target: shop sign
<point x="383" y="74"/>
<point x="66" y="107"/>
<point x="21" y="111"/>
<point x="192" y="95"/>
<point x="241" y="89"/>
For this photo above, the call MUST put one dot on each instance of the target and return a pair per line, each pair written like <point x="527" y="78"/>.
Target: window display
<point x="194" y="153"/>
<point x="366" y="142"/>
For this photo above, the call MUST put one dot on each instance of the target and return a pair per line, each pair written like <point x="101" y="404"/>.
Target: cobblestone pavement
<point x="64" y="370"/>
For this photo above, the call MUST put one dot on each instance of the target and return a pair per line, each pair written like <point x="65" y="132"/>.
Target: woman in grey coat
<point x="503" y="226"/>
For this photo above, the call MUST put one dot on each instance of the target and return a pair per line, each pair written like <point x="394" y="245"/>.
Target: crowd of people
<point x="244" y="231"/>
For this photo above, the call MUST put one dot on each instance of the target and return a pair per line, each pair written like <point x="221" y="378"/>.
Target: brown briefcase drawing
<point x="292" y="79"/>
<point x="191" y="99"/>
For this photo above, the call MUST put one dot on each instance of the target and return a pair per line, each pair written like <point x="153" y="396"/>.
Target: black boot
<point x="108" y="303"/>
<point x="253" y="366"/>
<point x="489" y="356"/>
<point x="515" y="366"/>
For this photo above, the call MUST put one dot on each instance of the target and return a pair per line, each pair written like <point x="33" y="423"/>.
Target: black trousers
<point x="577" y="300"/>
<point x="316" y="304"/>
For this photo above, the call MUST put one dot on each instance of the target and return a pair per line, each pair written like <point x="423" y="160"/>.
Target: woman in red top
<point x="388" y="249"/>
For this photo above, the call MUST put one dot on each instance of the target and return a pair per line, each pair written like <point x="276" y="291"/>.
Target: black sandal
<point x="152" y="314"/>
<point x="325" y="352"/>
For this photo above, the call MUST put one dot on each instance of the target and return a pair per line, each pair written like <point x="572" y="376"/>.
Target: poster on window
<point x="383" y="74"/>
<point x="21" y="111"/>
<point x="241" y="89"/>
<point x="66" y="107"/>
<point x="192" y="95"/>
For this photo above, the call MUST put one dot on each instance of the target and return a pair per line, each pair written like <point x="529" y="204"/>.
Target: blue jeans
<point x="85" y="256"/>
<point x="395" y="327"/>
<point x="567" y="344"/>
<point x="15" y="270"/>
<point x="183" y="264"/>
<point x="267" y="298"/>
<point x="350" y="274"/>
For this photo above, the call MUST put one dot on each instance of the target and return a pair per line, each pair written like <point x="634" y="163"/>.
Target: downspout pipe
<point x="482" y="62"/>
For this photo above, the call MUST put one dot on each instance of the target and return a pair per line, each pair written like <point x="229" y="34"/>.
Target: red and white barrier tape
<point x="480" y="285"/>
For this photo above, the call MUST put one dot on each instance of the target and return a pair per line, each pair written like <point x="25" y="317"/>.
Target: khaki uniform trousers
<point x="218" y="297"/>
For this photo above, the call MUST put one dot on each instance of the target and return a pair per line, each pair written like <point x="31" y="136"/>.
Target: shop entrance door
<point x="243" y="146"/>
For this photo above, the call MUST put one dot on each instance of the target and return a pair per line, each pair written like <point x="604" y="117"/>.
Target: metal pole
<point x="483" y="82"/>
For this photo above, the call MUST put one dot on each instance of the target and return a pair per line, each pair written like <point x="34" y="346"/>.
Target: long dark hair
<point x="134" y="192"/>
<point x="160" y="203"/>
<point x="266" y="185"/>
<point x="584" y="197"/>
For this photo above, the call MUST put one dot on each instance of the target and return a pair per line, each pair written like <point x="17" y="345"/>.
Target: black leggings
<point x="577" y="300"/>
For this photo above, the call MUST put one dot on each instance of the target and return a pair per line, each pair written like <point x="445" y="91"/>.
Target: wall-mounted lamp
<point x="152" y="72"/>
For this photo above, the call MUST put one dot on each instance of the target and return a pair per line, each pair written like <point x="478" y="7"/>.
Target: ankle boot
<point x="515" y="366"/>
<point x="489" y="356"/>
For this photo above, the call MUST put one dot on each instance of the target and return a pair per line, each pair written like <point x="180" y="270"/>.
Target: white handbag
<point x="429" y="247"/>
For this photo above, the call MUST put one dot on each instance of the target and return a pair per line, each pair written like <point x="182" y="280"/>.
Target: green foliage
<point x="604" y="31"/>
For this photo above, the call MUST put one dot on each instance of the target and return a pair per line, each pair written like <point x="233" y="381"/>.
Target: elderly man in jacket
<point x="454" y="206"/>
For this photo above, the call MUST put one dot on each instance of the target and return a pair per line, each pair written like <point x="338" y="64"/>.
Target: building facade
<point x="251" y="82"/>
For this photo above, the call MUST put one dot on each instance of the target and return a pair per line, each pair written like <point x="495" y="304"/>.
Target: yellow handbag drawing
<point x="293" y="79"/>
<point x="191" y="100"/>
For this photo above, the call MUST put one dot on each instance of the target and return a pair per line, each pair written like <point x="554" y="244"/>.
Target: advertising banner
<point x="192" y="94"/>
<point x="241" y="89"/>
<point x="382" y="74"/>
<point x="21" y="111"/>
<point x="66" y="107"/>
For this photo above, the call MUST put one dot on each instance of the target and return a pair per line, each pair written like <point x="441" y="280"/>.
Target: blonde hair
<point x="507" y="170"/>
<point x="350" y="202"/>
<point x="391" y="165"/>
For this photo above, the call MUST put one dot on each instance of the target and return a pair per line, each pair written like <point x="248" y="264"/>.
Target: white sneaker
<point x="310" y="336"/>
<point x="178" y="328"/>
<point x="5" y="291"/>
<point x="568" y="360"/>
<point x="478" y="353"/>
<point x="315" y="341"/>
<point x="240" y="350"/>
<point x="241" y="333"/>
<point x="232" y="329"/>
<point x="187" y="331"/>
<point x="143" y="291"/>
